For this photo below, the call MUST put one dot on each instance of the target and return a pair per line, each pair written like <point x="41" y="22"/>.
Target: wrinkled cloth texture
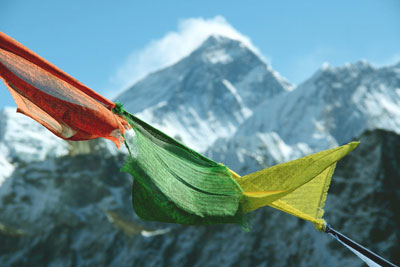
<point x="60" y="103"/>
<point x="176" y="184"/>
<point x="172" y="183"/>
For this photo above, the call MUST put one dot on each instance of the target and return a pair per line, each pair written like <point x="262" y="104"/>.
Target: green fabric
<point x="176" y="184"/>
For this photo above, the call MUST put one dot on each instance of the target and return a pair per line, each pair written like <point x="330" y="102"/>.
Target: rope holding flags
<point x="172" y="183"/>
<point x="370" y="258"/>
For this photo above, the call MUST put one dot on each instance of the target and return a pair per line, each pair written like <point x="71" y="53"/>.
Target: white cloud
<point x="173" y="47"/>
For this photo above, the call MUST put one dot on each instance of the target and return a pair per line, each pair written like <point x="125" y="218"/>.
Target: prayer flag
<point x="176" y="184"/>
<point x="63" y="105"/>
<point x="172" y="183"/>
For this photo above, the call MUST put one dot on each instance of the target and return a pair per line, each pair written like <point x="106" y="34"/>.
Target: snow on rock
<point x="23" y="139"/>
<point x="330" y="109"/>
<point x="6" y="168"/>
<point x="67" y="204"/>
<point x="56" y="212"/>
<point x="206" y="95"/>
<point x="262" y="150"/>
<point x="363" y="197"/>
<point x="218" y="56"/>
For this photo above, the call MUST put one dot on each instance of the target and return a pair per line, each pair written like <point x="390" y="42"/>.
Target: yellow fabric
<point x="234" y="174"/>
<point x="307" y="201"/>
<point x="298" y="187"/>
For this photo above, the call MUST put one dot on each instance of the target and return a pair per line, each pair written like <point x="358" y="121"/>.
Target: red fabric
<point x="9" y="44"/>
<point x="54" y="99"/>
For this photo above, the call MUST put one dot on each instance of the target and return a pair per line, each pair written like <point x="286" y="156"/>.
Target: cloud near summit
<point x="172" y="47"/>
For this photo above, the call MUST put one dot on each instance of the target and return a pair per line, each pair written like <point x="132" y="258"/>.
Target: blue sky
<point x="107" y="45"/>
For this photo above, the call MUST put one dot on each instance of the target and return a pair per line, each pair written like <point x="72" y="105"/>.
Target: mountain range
<point x="67" y="204"/>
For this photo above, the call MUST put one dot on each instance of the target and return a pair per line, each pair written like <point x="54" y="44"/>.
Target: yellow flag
<point x="298" y="187"/>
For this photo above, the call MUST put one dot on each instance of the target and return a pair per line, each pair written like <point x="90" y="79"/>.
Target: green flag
<point x="176" y="184"/>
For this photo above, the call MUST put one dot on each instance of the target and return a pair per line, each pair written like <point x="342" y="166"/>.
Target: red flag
<point x="48" y="95"/>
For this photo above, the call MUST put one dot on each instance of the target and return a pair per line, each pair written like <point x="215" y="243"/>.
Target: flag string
<point x="369" y="257"/>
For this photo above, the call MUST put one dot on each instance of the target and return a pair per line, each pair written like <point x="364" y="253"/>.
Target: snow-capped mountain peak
<point x="335" y="105"/>
<point x="221" y="92"/>
<point x="206" y="95"/>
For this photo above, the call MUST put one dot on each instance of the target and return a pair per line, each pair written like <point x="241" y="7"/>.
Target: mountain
<point x="207" y="94"/>
<point x="57" y="212"/>
<point x="24" y="140"/>
<point x="333" y="106"/>
<point x="67" y="203"/>
<point x="70" y="211"/>
<point x="364" y="195"/>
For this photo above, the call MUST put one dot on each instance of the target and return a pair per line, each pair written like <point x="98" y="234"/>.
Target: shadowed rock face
<point x="68" y="205"/>
<point x="58" y="206"/>
<point x="365" y="194"/>
<point x="56" y="212"/>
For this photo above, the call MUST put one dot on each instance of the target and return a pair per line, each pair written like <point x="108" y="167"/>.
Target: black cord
<point x="357" y="247"/>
